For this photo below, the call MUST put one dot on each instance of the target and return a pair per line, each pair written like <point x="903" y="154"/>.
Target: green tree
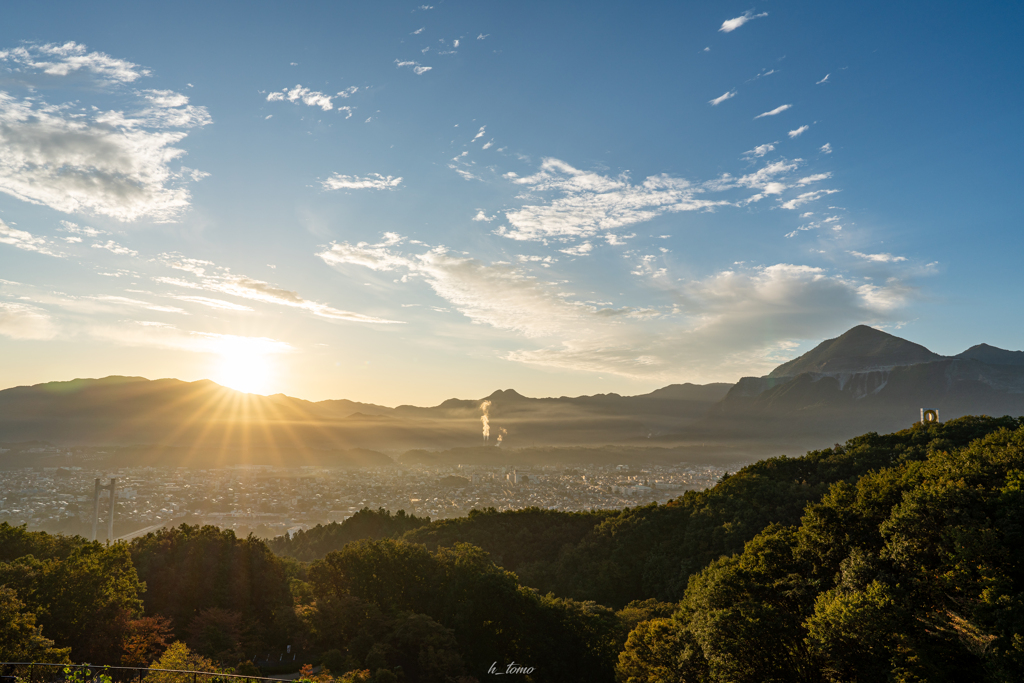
<point x="20" y="638"/>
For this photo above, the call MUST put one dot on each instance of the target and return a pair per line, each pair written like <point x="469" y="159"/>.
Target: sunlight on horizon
<point x="246" y="364"/>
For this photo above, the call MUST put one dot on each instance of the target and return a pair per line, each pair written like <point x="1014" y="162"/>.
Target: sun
<point x="245" y="364"/>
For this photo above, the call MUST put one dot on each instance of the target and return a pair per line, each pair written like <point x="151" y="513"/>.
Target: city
<point x="270" y="501"/>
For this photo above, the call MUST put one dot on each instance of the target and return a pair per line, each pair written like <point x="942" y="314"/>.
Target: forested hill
<point x="891" y="557"/>
<point x="650" y="551"/>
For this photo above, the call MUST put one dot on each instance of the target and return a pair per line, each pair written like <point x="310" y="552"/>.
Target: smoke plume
<point x="485" y="420"/>
<point x="501" y="433"/>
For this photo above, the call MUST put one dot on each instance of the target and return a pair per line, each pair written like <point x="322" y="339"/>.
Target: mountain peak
<point x="992" y="355"/>
<point x="859" y="349"/>
<point x="506" y="395"/>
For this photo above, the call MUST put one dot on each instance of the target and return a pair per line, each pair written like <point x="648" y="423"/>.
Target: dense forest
<point x="888" y="558"/>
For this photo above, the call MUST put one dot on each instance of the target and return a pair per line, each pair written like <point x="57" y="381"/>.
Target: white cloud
<point x="300" y="94"/>
<point x="499" y="295"/>
<point x="722" y="98"/>
<point x="416" y="67"/>
<point x="481" y="216"/>
<point x="482" y="36"/>
<point x="735" y="322"/>
<point x="480" y="134"/>
<point x="71" y="59"/>
<point x="730" y="25"/>
<point x="813" y="179"/>
<point x="89" y="160"/>
<point x="591" y="203"/>
<point x="826" y="148"/>
<point x="773" y="112"/>
<point x="23" y="240"/>
<point x="824" y="80"/>
<point x="759" y="151"/>
<point x="799" y="131"/>
<point x="68" y="226"/>
<point x="116" y="248"/>
<point x="879" y="258"/>
<point x="806" y="197"/>
<point x="21" y="321"/>
<point x="374" y="181"/>
<point x="418" y="31"/>
<point x="618" y="240"/>
<point x="579" y="250"/>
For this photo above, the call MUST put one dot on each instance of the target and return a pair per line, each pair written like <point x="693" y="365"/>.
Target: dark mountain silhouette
<point x="860" y="349"/>
<point x="193" y="421"/>
<point x="864" y="380"/>
<point x="992" y="355"/>
<point x="869" y="380"/>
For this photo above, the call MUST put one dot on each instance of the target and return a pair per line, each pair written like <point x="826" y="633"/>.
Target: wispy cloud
<point x="21" y="321"/>
<point x="591" y="203"/>
<point x="806" y="197"/>
<point x="722" y="98"/>
<point x="773" y="112"/>
<point x="730" y="25"/>
<point x="223" y="281"/>
<point x="579" y="250"/>
<point x="735" y="322"/>
<point x="417" y="68"/>
<point x="759" y="151"/>
<point x="879" y="258"/>
<point x="218" y="304"/>
<point x="116" y="248"/>
<point x="826" y="148"/>
<point x="302" y="95"/>
<point x="824" y="80"/>
<point x="162" y="335"/>
<point x="807" y="180"/>
<point x="23" y="240"/>
<point x="70" y="58"/>
<point x="374" y="181"/>
<point x="798" y="131"/>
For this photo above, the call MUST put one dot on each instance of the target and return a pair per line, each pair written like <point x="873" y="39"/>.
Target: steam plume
<point x="501" y="432"/>
<point x="485" y="420"/>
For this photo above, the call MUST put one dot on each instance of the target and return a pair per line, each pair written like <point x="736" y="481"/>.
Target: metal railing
<point x="25" y="672"/>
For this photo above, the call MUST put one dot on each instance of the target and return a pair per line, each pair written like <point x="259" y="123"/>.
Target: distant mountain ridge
<point x="869" y="380"/>
<point x="863" y="380"/>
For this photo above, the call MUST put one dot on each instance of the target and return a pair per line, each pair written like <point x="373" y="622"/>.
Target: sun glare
<point x="246" y="364"/>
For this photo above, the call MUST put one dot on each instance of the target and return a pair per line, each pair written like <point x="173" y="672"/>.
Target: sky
<point x="395" y="202"/>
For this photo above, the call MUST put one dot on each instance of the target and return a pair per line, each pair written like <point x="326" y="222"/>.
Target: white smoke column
<point x="485" y="420"/>
<point x="501" y="432"/>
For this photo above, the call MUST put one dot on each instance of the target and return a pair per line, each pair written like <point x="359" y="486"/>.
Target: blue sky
<point x="398" y="202"/>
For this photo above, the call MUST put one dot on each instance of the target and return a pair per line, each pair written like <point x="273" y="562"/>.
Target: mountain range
<point x="863" y="380"/>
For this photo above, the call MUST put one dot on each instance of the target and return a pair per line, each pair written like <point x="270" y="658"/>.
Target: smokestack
<point x="485" y="420"/>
